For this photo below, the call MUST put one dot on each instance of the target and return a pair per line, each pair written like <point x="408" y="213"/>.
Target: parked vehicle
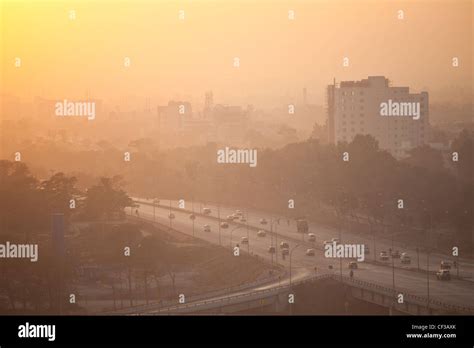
<point x="311" y="237"/>
<point x="383" y="256"/>
<point x="244" y="240"/>
<point x="206" y="211"/>
<point x="271" y="249"/>
<point x="395" y="254"/>
<point x="352" y="265"/>
<point x="310" y="252"/>
<point x="261" y="233"/>
<point x="405" y="259"/>
<point x="284" y="245"/>
<point x="445" y="265"/>
<point x="443" y="274"/>
<point x="224" y="225"/>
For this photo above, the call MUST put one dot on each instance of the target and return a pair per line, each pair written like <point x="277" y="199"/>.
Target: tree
<point x="106" y="198"/>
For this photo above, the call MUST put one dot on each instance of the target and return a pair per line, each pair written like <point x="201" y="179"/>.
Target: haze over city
<point x="239" y="157"/>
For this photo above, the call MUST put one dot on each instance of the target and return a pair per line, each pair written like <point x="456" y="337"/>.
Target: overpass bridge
<point x="274" y="298"/>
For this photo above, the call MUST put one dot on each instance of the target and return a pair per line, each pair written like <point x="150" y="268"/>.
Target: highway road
<point x="455" y="291"/>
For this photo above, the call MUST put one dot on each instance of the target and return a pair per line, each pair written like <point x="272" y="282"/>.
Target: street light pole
<point x="276" y="245"/>
<point x="194" y="217"/>
<point x="340" y="241"/>
<point x="232" y="231"/>
<point x="428" y="263"/>
<point x="248" y="235"/>
<point x="219" y="220"/>
<point x="170" y="216"/>
<point x="291" y="253"/>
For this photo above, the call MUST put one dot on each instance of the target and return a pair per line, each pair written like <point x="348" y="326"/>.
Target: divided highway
<point x="455" y="292"/>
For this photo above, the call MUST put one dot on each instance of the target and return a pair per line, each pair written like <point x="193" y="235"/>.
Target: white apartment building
<point x="396" y="118"/>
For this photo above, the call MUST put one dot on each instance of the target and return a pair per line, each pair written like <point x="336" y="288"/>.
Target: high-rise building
<point x="396" y="118"/>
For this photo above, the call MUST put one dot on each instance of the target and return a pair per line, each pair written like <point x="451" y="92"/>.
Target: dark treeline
<point x="370" y="184"/>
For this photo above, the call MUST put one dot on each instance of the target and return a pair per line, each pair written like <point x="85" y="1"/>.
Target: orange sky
<point x="173" y="58"/>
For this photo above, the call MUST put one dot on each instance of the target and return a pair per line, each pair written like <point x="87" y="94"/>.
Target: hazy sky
<point x="171" y="58"/>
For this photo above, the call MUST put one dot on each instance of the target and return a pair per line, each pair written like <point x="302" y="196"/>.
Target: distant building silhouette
<point x="354" y="107"/>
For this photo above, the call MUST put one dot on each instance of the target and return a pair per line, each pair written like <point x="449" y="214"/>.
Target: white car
<point x="261" y="233"/>
<point x="383" y="256"/>
<point x="310" y="252"/>
<point x="312" y="237"/>
<point x="404" y="258"/>
<point x="244" y="240"/>
<point x="206" y="211"/>
<point x="207" y="228"/>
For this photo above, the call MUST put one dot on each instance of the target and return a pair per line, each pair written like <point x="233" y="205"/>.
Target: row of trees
<point x="316" y="177"/>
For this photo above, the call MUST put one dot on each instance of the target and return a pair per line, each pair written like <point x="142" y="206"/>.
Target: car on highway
<point x="352" y="265"/>
<point x="171" y="216"/>
<point x="207" y="228"/>
<point x="206" y="211"/>
<point x="395" y="254"/>
<point x="310" y="252"/>
<point x="445" y="265"/>
<point x="244" y="240"/>
<point x="263" y="221"/>
<point x="443" y="274"/>
<point x="383" y="256"/>
<point x="192" y="217"/>
<point x="271" y="249"/>
<point x="311" y="237"/>
<point x="224" y="225"/>
<point x="284" y="245"/>
<point x="261" y="233"/>
<point x="405" y="258"/>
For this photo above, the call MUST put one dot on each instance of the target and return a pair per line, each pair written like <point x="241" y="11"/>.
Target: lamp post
<point x="291" y="253"/>
<point x="219" y="220"/>
<point x="232" y="231"/>
<point x="248" y="235"/>
<point x="430" y="213"/>
<point x="170" y="216"/>
<point x="155" y="201"/>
